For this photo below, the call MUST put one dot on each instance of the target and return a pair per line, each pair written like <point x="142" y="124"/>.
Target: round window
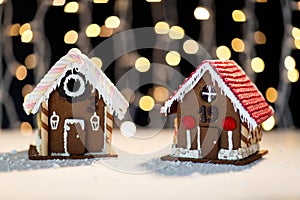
<point x="208" y="93"/>
<point x="74" y="85"/>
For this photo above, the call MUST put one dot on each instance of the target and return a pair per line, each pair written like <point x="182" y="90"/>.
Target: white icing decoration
<point x="230" y="145"/>
<point x="185" y="153"/>
<point x="237" y="154"/>
<point x="38" y="141"/>
<point x="95" y="122"/>
<point x="67" y="128"/>
<point x="54" y="121"/>
<point x="81" y="88"/>
<point x="188" y="139"/>
<point x="198" y="138"/>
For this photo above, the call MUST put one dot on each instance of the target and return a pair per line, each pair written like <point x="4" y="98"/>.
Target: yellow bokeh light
<point x="153" y="1"/>
<point x="296" y="33"/>
<point x="21" y="72"/>
<point x="14" y="30"/>
<point x="293" y="75"/>
<point x="146" y="103"/>
<point x="142" y="64"/>
<point x="71" y="7"/>
<point x="261" y="1"/>
<point x="238" y="45"/>
<point x="97" y="61"/>
<point x="257" y="65"/>
<point x="106" y="32"/>
<point x="269" y="124"/>
<point x="71" y="37"/>
<point x="289" y="63"/>
<point x="201" y="13"/>
<point x="173" y="58"/>
<point x="1" y="2"/>
<point x="27" y="36"/>
<point x="297" y="44"/>
<point x="176" y="32"/>
<point x="26" y="129"/>
<point x="238" y="16"/>
<point x="58" y="2"/>
<point x="190" y="47"/>
<point x="112" y="22"/>
<point x="223" y="52"/>
<point x="161" y="28"/>
<point x="160" y="94"/>
<point x="298" y="5"/>
<point x="93" y="30"/>
<point x="26" y="89"/>
<point x="31" y="61"/>
<point x="271" y="94"/>
<point x="24" y="28"/>
<point x="100" y="1"/>
<point x="260" y="37"/>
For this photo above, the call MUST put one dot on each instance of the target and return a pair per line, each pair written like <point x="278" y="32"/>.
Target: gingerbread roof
<point x="75" y="60"/>
<point x="235" y="84"/>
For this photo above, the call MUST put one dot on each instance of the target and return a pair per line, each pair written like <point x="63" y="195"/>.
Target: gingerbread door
<point x="209" y="142"/>
<point x="74" y="136"/>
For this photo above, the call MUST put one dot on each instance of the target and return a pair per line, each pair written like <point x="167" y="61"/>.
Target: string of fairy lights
<point x="38" y="62"/>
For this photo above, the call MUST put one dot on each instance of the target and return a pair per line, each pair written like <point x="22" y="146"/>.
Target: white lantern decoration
<point x="54" y="120"/>
<point x="95" y="122"/>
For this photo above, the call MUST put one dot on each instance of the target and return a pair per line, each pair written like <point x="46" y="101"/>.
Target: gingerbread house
<point x="219" y="114"/>
<point x="76" y="102"/>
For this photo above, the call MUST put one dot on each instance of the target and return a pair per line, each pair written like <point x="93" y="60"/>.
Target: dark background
<point x="269" y="18"/>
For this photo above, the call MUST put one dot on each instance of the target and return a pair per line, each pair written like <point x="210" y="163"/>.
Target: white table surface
<point x="138" y="174"/>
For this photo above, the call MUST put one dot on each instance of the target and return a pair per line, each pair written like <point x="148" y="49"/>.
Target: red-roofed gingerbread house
<point x="219" y="114"/>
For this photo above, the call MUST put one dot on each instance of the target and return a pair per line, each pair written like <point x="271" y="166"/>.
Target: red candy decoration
<point x="188" y="122"/>
<point x="229" y="124"/>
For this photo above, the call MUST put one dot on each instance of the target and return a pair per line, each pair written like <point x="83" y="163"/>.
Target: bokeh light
<point x="58" y="2"/>
<point x="238" y="16"/>
<point x="24" y="28"/>
<point x="297" y="44"/>
<point x="146" y="103"/>
<point x="26" y="129"/>
<point x="31" y="61"/>
<point x="201" y="13"/>
<point x="271" y="94"/>
<point x="142" y="64"/>
<point x="160" y="94"/>
<point x="223" y="52"/>
<point x="27" y="36"/>
<point x="238" y="45"/>
<point x="289" y="63"/>
<point x="71" y="37"/>
<point x="261" y="1"/>
<point x="26" y="89"/>
<point x="112" y="22"/>
<point x="293" y="75"/>
<point x="269" y="124"/>
<point x="21" y="72"/>
<point x="97" y="61"/>
<point x="176" y="32"/>
<point x="260" y="37"/>
<point x="1" y="2"/>
<point x="190" y="46"/>
<point x="153" y="1"/>
<point x="128" y="94"/>
<point x="128" y="129"/>
<point x="161" y="28"/>
<point x="100" y="1"/>
<point x="71" y="7"/>
<point x="257" y="65"/>
<point x="296" y="33"/>
<point x="173" y="58"/>
<point x="92" y="30"/>
<point x="14" y="29"/>
<point x="106" y="32"/>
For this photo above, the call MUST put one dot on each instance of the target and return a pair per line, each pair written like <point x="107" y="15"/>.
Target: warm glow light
<point x="26" y="89"/>
<point x="173" y="58"/>
<point x="106" y="32"/>
<point x="160" y="94"/>
<point x="298" y="4"/>
<point x="27" y="36"/>
<point x="238" y="45"/>
<point x="21" y="72"/>
<point x="71" y="37"/>
<point x="71" y="7"/>
<point x="161" y="28"/>
<point x="1" y="2"/>
<point x="14" y="30"/>
<point x="269" y="124"/>
<point x="58" y="2"/>
<point x="142" y="64"/>
<point x="112" y="22"/>
<point x="257" y="64"/>
<point x="31" y="61"/>
<point x="297" y="44"/>
<point x="201" y="13"/>
<point x="146" y="103"/>
<point x="153" y="1"/>
<point x="176" y="32"/>
<point x="289" y="63"/>
<point x="24" y="28"/>
<point x="190" y="47"/>
<point x="260" y="37"/>
<point x="223" y="52"/>
<point x="238" y="16"/>
<point x="100" y="1"/>
<point x="93" y="30"/>
<point x="261" y="1"/>
<point x="97" y="61"/>
<point x="128" y="129"/>
<point x="271" y="94"/>
<point x="26" y="129"/>
<point x="128" y="94"/>
<point x="293" y="75"/>
<point x="296" y="33"/>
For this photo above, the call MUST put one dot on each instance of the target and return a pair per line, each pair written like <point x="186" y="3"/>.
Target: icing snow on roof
<point x="75" y="60"/>
<point x="235" y="84"/>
